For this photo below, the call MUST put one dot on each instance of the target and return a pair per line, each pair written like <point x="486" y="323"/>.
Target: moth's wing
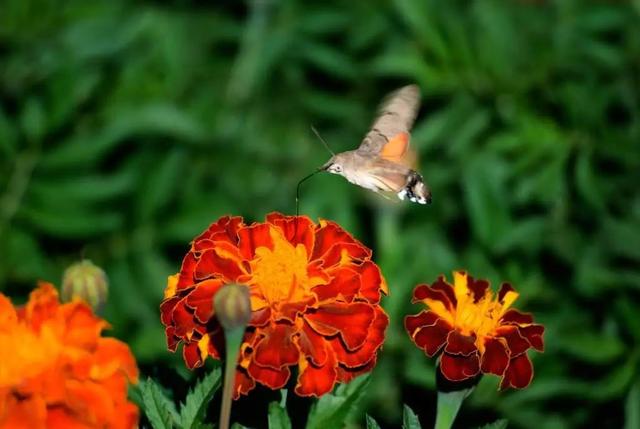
<point x="388" y="175"/>
<point x="389" y="134"/>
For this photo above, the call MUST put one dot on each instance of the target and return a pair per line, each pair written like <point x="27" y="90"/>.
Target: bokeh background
<point x="127" y="127"/>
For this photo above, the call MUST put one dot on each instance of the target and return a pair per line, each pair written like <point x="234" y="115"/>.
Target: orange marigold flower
<point x="475" y="332"/>
<point x="315" y="297"/>
<point x="56" y="371"/>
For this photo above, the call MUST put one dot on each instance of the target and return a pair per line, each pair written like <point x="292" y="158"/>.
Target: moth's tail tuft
<point x="415" y="190"/>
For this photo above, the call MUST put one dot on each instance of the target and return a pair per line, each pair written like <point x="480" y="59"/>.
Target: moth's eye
<point x="337" y="168"/>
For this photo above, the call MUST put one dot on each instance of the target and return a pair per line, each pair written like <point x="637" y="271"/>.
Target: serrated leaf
<point x="159" y="409"/>
<point x="371" y="422"/>
<point x="333" y="409"/>
<point x="498" y="424"/>
<point x="410" y="419"/>
<point x="278" y="417"/>
<point x="193" y="411"/>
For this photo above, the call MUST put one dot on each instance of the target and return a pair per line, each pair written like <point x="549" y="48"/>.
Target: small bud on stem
<point x="86" y="281"/>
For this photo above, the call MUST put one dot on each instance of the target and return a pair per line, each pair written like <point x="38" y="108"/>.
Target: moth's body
<point x="383" y="162"/>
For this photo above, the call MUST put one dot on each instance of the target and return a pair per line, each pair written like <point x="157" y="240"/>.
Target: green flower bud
<point x="232" y="306"/>
<point x="86" y="281"/>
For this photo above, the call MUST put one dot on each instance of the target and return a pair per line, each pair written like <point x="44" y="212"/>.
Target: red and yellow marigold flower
<point x="57" y="371"/>
<point x="475" y="332"/>
<point x="315" y="302"/>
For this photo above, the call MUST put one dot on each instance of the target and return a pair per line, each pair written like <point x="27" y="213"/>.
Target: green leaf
<point x="278" y="417"/>
<point x="632" y="408"/>
<point x="70" y="222"/>
<point x="498" y="424"/>
<point x="371" y="422"/>
<point x="159" y="409"/>
<point x="161" y="183"/>
<point x="410" y="419"/>
<point x="193" y="411"/>
<point x="333" y="409"/>
<point x="592" y="347"/>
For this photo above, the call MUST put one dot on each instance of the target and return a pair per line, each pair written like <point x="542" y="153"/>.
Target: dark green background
<point x="127" y="127"/>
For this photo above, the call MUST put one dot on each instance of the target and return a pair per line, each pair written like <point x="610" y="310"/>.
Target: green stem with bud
<point x="233" y="340"/>
<point x="448" y="406"/>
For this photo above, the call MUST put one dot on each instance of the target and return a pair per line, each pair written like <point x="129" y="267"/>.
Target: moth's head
<point x="335" y="165"/>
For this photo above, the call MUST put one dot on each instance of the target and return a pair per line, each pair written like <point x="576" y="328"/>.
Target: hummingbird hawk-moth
<point x="384" y="162"/>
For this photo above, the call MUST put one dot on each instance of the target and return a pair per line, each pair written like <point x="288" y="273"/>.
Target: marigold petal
<point x="277" y="348"/>
<point x="459" y="367"/>
<point x="519" y="373"/>
<point x="342" y="254"/>
<point x="172" y="284"/>
<point x="62" y="418"/>
<point x="112" y="356"/>
<point x="83" y="328"/>
<point x="495" y="358"/>
<point x="445" y="287"/>
<point x="187" y="271"/>
<point x="182" y="319"/>
<point x="90" y="400"/>
<point x="253" y="237"/>
<point x="478" y="287"/>
<point x="317" y="380"/>
<point x="533" y="334"/>
<point x="289" y="311"/>
<point x="436" y="300"/>
<point x="166" y="309"/>
<point x="367" y="351"/>
<point x="458" y="344"/>
<point x="191" y="355"/>
<point x="27" y="413"/>
<point x="505" y="289"/>
<point x="346" y="374"/>
<point x="312" y="345"/>
<point x="297" y="230"/>
<point x="243" y="383"/>
<point x="126" y="416"/>
<point x="425" y="318"/>
<point x="371" y="282"/>
<point x="327" y="235"/>
<point x="43" y="304"/>
<point x="260" y="317"/>
<point x="516" y="343"/>
<point x="351" y="321"/>
<point x="431" y="338"/>
<point x="272" y="378"/>
<point x="344" y="281"/>
<point x="172" y="339"/>
<point x="225" y="229"/>
<point x="201" y="299"/>
<point x="8" y="315"/>
<point x="215" y="263"/>
<point x="515" y="317"/>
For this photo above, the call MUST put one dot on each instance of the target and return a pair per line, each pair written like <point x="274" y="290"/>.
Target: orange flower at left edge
<point x="315" y="302"/>
<point x="57" y="371"/>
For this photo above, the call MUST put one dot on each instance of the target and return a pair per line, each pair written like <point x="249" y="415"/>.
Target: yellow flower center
<point x="481" y="317"/>
<point x="280" y="274"/>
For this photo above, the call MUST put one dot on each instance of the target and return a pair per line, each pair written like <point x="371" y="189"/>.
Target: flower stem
<point x="233" y="339"/>
<point x="448" y="406"/>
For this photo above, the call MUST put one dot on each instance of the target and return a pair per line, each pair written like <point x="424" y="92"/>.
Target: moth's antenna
<point x="322" y="140"/>
<point x="298" y="190"/>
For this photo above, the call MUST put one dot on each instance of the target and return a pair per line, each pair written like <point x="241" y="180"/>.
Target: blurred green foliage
<point x="127" y="127"/>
